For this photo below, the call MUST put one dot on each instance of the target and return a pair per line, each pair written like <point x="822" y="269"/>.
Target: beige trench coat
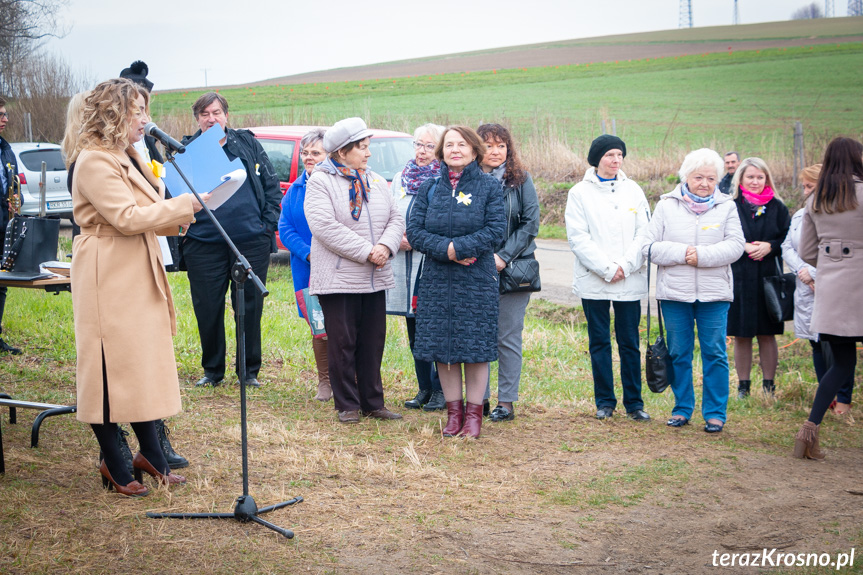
<point x="833" y="243"/>
<point x="120" y="295"/>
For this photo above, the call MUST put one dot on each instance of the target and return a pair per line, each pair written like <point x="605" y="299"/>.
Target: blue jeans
<point x="627" y="315"/>
<point x="711" y="318"/>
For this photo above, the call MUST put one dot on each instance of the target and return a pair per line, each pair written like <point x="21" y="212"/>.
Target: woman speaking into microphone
<point x="124" y="314"/>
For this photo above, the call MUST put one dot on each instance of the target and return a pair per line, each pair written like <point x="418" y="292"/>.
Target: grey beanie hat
<point x="344" y="132"/>
<point x="601" y="145"/>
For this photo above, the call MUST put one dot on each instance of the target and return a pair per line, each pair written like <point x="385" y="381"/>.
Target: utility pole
<point x="829" y="11"/>
<point x="204" y="70"/>
<point x="855" y="7"/>
<point x="685" y="20"/>
<point x="736" y="19"/>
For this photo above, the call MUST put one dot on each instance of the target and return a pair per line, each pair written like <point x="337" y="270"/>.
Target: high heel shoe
<point x="133" y="489"/>
<point x="140" y="463"/>
<point x="806" y="443"/>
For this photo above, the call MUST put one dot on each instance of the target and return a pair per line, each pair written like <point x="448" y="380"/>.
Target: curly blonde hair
<point x="106" y="114"/>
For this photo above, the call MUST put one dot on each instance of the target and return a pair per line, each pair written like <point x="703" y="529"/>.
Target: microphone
<point x="151" y="129"/>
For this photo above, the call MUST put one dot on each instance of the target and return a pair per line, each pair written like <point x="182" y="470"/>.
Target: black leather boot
<point x="769" y="387"/>
<point x="420" y="399"/>
<point x="175" y="460"/>
<point x="124" y="448"/>
<point x="743" y="388"/>
<point x="436" y="402"/>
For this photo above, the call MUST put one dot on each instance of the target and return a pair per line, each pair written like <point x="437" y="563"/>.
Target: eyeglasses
<point x="314" y="153"/>
<point x="4" y="115"/>
<point x="429" y="147"/>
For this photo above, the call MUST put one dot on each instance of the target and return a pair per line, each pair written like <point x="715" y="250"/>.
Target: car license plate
<point x="63" y="205"/>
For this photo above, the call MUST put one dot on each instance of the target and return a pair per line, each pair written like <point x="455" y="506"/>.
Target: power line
<point x="685" y="20"/>
<point x="736" y="19"/>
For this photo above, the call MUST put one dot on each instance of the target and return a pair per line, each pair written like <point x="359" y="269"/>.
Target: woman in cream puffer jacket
<point x="693" y="238"/>
<point x="356" y="230"/>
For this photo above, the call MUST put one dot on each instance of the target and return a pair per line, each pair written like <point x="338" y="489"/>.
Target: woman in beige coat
<point x="832" y="240"/>
<point x="124" y="315"/>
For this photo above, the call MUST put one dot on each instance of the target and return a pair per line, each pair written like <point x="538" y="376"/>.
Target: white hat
<point x="344" y="132"/>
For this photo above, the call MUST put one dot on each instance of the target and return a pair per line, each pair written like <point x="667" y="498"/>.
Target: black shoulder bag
<point x="779" y="295"/>
<point x="522" y="273"/>
<point x="656" y="358"/>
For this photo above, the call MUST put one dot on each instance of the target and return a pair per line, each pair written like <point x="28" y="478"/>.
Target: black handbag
<point x="656" y="359"/>
<point x="520" y="275"/>
<point x="29" y="242"/>
<point x="779" y="295"/>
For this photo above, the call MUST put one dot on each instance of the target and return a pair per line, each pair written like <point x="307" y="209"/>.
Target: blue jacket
<point x="295" y="233"/>
<point x="457" y="306"/>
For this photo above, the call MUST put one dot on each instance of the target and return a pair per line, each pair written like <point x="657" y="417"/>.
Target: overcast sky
<point x="239" y="41"/>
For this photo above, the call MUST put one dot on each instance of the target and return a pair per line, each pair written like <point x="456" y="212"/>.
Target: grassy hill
<point x="662" y="107"/>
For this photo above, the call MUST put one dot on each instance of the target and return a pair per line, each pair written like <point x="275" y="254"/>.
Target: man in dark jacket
<point x="732" y="160"/>
<point x="8" y="173"/>
<point x="250" y="217"/>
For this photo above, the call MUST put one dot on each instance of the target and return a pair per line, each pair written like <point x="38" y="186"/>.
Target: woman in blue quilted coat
<point x="457" y="220"/>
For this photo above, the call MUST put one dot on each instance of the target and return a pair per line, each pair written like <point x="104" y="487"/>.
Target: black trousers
<point x="209" y="268"/>
<point x="356" y="332"/>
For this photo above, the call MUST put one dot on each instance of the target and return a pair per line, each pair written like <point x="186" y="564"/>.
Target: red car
<point x="390" y="152"/>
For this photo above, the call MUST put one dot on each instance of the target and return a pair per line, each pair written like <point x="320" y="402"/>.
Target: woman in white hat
<point x="356" y="231"/>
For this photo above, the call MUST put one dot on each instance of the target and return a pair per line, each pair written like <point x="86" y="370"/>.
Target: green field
<point x="662" y="107"/>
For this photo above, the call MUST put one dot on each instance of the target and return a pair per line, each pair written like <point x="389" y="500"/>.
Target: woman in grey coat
<point x="522" y="225"/>
<point x="832" y="240"/>
<point x="804" y="293"/>
<point x="693" y="238"/>
<point x="401" y="300"/>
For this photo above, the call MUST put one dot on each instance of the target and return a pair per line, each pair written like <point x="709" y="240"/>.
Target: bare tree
<point x="24" y="27"/>
<point x="808" y="12"/>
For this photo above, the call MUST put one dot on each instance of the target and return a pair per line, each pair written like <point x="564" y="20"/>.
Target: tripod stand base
<point x="244" y="511"/>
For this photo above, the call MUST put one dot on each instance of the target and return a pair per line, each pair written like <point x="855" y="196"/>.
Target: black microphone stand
<point x="245" y="509"/>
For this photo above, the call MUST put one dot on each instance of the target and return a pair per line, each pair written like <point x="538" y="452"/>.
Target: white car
<point x="30" y="156"/>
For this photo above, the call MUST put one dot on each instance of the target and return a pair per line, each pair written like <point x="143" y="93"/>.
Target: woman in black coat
<point x="765" y="221"/>
<point x="457" y="220"/>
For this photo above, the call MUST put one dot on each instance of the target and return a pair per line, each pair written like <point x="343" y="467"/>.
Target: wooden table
<point x="54" y="285"/>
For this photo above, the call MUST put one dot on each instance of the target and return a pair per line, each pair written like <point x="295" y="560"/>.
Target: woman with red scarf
<point x="765" y="221"/>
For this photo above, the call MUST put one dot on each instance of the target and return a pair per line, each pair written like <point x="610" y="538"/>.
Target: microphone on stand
<point x="151" y="129"/>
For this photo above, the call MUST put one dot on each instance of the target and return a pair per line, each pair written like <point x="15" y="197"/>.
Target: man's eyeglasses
<point x="429" y="147"/>
<point x="4" y="115"/>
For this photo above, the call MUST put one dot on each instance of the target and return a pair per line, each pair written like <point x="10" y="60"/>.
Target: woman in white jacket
<point x="606" y="217"/>
<point x="693" y="238"/>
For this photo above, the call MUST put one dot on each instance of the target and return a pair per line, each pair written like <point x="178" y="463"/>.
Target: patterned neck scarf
<point x="499" y="172"/>
<point x="696" y="204"/>
<point x="414" y="175"/>
<point x="359" y="188"/>
<point x="454" y="178"/>
<point x="757" y="199"/>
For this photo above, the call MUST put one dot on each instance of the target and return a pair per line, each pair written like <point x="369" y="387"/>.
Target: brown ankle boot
<point x="325" y="391"/>
<point x="454" y="417"/>
<point x="472" y="421"/>
<point x="806" y="442"/>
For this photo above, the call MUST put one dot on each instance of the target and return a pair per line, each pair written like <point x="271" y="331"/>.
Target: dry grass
<point x="550" y="491"/>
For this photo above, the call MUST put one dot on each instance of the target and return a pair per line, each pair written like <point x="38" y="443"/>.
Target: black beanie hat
<point x="137" y="72"/>
<point x="601" y="145"/>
